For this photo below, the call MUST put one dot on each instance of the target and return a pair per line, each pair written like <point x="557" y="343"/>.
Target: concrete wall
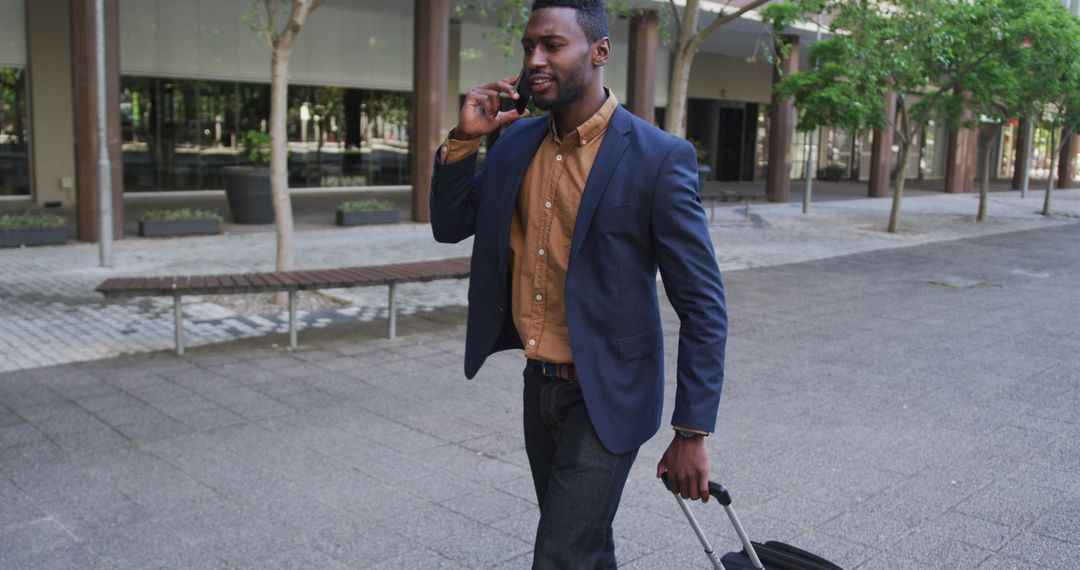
<point x="728" y="78"/>
<point x="52" y="120"/>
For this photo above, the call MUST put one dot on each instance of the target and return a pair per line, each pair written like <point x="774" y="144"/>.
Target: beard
<point x="566" y="91"/>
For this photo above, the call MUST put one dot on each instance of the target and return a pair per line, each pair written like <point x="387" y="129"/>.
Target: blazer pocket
<point x="640" y="345"/>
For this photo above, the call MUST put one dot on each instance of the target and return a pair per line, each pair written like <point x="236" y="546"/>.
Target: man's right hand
<point x="481" y="116"/>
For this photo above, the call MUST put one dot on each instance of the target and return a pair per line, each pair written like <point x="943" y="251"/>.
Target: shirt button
<point x="541" y="252"/>
<point x="532" y="342"/>
<point x="547" y="204"/>
<point x="539" y="297"/>
<point x="584" y="142"/>
<point x="558" y="157"/>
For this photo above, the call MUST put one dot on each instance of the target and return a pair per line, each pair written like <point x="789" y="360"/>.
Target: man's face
<point x="558" y="61"/>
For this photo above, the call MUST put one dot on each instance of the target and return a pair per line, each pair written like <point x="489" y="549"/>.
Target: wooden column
<point x="84" y="61"/>
<point x="431" y="25"/>
<point x="781" y="129"/>
<point x="881" y="151"/>
<point x="1067" y="161"/>
<point x="641" y="75"/>
<point x="1020" y="164"/>
<point x="961" y="160"/>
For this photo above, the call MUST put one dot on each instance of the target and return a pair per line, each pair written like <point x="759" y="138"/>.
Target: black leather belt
<point x="564" y="372"/>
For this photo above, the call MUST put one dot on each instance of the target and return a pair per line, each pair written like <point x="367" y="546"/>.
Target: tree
<point x="1055" y="64"/>
<point x="281" y="34"/>
<point x="685" y="42"/>
<point x="945" y="60"/>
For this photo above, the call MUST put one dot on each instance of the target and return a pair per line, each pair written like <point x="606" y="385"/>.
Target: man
<point x="572" y="215"/>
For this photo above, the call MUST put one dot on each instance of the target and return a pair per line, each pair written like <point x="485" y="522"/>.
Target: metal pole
<point x="292" y="319"/>
<point x="178" y="316"/>
<point x="105" y="214"/>
<point x="808" y="188"/>
<point x="1025" y="176"/>
<point x="709" y="551"/>
<point x="392" y="333"/>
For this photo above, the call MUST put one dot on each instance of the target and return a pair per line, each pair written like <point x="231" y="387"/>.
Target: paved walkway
<point x="49" y="313"/>
<point x="906" y="408"/>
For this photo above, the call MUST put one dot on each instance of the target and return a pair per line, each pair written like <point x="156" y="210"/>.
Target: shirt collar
<point x="591" y="128"/>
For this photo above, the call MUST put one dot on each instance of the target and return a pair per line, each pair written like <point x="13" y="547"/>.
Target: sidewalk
<point x="912" y="407"/>
<point x="49" y="313"/>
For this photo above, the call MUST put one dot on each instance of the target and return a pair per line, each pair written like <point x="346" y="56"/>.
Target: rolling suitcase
<point x="771" y="555"/>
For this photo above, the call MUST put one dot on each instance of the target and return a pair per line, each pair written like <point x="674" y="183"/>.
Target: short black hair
<point x="591" y="15"/>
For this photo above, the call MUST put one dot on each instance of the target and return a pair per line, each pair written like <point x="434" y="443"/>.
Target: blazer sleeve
<point x="455" y="196"/>
<point x="691" y="276"/>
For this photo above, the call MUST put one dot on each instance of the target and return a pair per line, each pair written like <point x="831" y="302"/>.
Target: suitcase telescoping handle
<point x="720" y="493"/>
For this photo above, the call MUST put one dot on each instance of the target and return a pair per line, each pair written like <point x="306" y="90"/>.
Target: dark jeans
<point x="578" y="482"/>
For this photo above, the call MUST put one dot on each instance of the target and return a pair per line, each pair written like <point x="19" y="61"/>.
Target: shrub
<point x="180" y="214"/>
<point x="31" y="220"/>
<point x="365" y="205"/>
<point x="257" y="145"/>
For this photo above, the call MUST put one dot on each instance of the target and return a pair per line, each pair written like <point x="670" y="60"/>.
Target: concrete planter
<point x="248" y="190"/>
<point x="166" y="228"/>
<point x="367" y="217"/>
<point x="32" y="236"/>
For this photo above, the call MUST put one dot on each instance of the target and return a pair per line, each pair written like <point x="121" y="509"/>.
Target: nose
<point x="535" y="61"/>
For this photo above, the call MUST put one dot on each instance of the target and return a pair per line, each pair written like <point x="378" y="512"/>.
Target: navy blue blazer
<point x="640" y="211"/>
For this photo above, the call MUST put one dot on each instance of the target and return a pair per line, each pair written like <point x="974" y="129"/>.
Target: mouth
<point x="540" y="82"/>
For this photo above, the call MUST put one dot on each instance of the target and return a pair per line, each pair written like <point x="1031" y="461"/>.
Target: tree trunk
<point x="279" y="161"/>
<point x="675" y="119"/>
<point x="681" y="61"/>
<point x="984" y="187"/>
<point x="1055" y="151"/>
<point x="898" y="194"/>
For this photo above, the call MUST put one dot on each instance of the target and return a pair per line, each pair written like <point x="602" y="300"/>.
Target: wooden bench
<point x="287" y="281"/>
<point x="715" y="194"/>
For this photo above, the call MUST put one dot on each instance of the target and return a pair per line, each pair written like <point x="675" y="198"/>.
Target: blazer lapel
<point x="611" y="150"/>
<point x="519" y="158"/>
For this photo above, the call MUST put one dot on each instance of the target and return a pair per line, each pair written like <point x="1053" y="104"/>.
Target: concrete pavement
<point x="903" y="407"/>
<point x="49" y="313"/>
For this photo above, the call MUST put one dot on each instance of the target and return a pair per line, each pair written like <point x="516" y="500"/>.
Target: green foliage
<point x="955" y="62"/>
<point x="24" y="220"/>
<point x="365" y="205"/>
<point x="257" y="145"/>
<point x="180" y="214"/>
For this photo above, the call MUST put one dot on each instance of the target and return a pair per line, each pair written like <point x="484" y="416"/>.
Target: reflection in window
<point x="14" y="133"/>
<point x="178" y="134"/>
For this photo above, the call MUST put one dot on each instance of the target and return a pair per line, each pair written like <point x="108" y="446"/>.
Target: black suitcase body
<point x="770" y="555"/>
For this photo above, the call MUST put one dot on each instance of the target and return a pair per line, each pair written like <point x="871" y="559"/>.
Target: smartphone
<point x="524" y="89"/>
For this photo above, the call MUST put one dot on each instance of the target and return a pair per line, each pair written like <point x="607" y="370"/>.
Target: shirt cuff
<point x="698" y="431"/>
<point x="454" y="150"/>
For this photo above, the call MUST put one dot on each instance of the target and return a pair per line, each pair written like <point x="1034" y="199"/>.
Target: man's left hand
<point x="686" y="463"/>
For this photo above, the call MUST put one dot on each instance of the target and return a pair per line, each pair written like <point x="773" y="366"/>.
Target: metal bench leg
<point x="712" y="209"/>
<point x="746" y="215"/>
<point x="392" y="333"/>
<point x="178" y="315"/>
<point x="292" y="319"/>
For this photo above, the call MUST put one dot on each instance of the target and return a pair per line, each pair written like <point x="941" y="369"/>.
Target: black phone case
<point x="524" y="90"/>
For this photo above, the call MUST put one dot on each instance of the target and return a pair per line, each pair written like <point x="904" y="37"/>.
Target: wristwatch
<point x="685" y="434"/>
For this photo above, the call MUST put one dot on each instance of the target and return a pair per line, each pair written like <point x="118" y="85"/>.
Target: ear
<point x="601" y="50"/>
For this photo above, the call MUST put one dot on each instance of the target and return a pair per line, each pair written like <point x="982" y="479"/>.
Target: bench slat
<point x="338" y="277"/>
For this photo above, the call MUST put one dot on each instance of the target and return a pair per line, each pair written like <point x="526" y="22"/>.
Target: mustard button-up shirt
<point x="542" y="228"/>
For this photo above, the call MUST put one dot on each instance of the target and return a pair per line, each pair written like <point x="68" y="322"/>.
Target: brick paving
<point x="911" y="407"/>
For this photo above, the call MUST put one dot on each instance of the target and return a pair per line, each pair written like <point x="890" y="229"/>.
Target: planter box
<point x="248" y="191"/>
<point x="163" y="228"/>
<point x="366" y="217"/>
<point x="33" y="236"/>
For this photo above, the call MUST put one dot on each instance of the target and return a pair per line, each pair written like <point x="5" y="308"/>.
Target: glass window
<point x="178" y="134"/>
<point x="14" y="134"/>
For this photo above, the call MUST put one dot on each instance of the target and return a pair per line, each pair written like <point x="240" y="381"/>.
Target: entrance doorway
<point x="728" y="130"/>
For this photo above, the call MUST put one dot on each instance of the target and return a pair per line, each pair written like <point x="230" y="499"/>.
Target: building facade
<point x="189" y="83"/>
